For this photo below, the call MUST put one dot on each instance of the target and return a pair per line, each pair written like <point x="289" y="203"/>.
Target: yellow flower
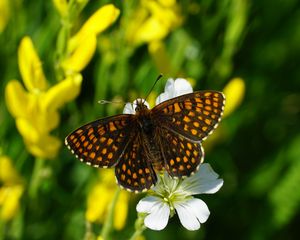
<point x="101" y="196"/>
<point x="30" y="66"/>
<point x="4" y="14"/>
<point x="61" y="6"/>
<point x="10" y="201"/>
<point x="8" y="173"/>
<point x="82" y="45"/>
<point x="234" y="92"/>
<point x="11" y="189"/>
<point x="152" y="21"/>
<point x="35" y="107"/>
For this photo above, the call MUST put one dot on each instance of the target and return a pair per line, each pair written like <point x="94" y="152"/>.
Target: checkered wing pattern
<point x="181" y="156"/>
<point x="102" y="142"/>
<point x="134" y="171"/>
<point x="168" y="136"/>
<point x="193" y="115"/>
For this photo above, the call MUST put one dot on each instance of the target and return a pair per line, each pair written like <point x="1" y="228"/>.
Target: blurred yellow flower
<point x="11" y="189"/>
<point x="152" y="21"/>
<point x="61" y="6"/>
<point x="31" y="67"/>
<point x="8" y="173"/>
<point x="82" y="45"/>
<point x="10" y="201"/>
<point x="4" y="14"/>
<point x="35" y="107"/>
<point x="234" y="92"/>
<point x="102" y="195"/>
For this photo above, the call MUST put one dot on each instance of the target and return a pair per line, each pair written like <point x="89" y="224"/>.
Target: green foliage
<point x="257" y="153"/>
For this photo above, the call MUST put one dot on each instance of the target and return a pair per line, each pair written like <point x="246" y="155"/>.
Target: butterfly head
<point x="140" y="105"/>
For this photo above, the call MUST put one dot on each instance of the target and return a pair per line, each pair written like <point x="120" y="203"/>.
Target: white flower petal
<point x="174" y="89"/>
<point x="161" y="98"/>
<point x="187" y="218"/>
<point x="158" y="210"/>
<point x="191" y="213"/>
<point x="170" y="86"/>
<point x="146" y="204"/>
<point x="181" y="87"/>
<point x="128" y="109"/>
<point x="204" y="181"/>
<point x="159" y="216"/>
<point x="199" y="208"/>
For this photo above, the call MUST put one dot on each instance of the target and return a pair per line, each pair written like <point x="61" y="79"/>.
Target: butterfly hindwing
<point x="134" y="171"/>
<point x="181" y="156"/>
<point x="102" y="142"/>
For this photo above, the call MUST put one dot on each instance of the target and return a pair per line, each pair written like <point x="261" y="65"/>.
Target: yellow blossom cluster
<point x="153" y="21"/>
<point x="11" y="189"/>
<point x="101" y="195"/>
<point x="36" y="106"/>
<point x="82" y="46"/>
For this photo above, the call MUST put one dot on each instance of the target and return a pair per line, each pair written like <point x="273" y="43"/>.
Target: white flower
<point x="174" y="89"/>
<point x="174" y="195"/>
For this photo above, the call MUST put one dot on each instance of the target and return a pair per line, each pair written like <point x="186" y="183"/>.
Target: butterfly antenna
<point x="157" y="79"/>
<point x="114" y="102"/>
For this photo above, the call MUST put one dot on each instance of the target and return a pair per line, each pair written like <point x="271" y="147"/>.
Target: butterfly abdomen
<point x="147" y="129"/>
<point x="155" y="153"/>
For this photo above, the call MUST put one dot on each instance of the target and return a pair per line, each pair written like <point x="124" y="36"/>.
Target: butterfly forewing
<point x="102" y="142"/>
<point x="134" y="171"/>
<point x="181" y="156"/>
<point x="193" y="115"/>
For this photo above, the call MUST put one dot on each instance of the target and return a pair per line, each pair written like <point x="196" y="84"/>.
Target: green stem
<point x="108" y="224"/>
<point x="139" y="227"/>
<point x="64" y="35"/>
<point x="36" y="177"/>
<point x="2" y="229"/>
<point x="62" y="41"/>
<point x="89" y="232"/>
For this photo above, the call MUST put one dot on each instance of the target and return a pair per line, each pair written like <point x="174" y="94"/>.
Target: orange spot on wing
<point x="207" y="121"/>
<point x="172" y="162"/>
<point x="82" y="138"/>
<point x="112" y="126"/>
<point x="92" y="155"/>
<point x="177" y="107"/>
<point x="186" y="119"/>
<point x="194" y="131"/>
<point x="109" y="141"/>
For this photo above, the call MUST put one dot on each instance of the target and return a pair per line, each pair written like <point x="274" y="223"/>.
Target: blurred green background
<point x="256" y="149"/>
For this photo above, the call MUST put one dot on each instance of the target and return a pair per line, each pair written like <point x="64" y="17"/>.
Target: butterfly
<point x="165" y="138"/>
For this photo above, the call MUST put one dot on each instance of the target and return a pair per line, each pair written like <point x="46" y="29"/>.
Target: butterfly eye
<point x="137" y="108"/>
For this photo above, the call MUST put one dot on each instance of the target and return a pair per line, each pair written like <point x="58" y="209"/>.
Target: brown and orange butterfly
<point x="167" y="137"/>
